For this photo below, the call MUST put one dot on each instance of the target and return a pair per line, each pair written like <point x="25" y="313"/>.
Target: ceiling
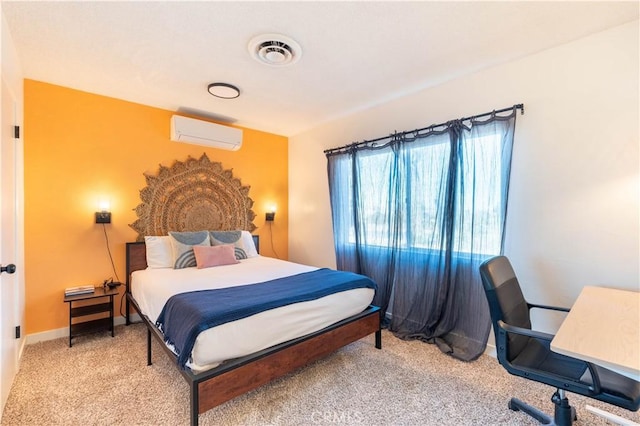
<point x="354" y="54"/>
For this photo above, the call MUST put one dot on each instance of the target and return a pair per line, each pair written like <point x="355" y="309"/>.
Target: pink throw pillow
<point x="208" y="256"/>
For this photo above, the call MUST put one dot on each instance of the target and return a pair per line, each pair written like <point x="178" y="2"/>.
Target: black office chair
<point x="526" y="353"/>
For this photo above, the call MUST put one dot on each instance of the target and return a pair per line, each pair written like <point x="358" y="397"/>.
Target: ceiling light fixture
<point x="275" y="50"/>
<point x="223" y="90"/>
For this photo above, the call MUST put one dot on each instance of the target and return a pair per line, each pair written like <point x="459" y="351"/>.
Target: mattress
<point x="151" y="288"/>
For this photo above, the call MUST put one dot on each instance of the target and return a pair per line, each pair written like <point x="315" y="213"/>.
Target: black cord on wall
<point x="271" y="239"/>
<point x="106" y="239"/>
<point x="113" y="266"/>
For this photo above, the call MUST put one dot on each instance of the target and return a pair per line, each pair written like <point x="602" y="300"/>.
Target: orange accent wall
<point x="80" y="148"/>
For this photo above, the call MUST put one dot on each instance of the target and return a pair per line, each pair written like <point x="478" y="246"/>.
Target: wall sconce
<point x="104" y="215"/>
<point x="270" y="215"/>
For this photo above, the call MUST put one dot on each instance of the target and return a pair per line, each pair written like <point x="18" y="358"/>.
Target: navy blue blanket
<point x="185" y="315"/>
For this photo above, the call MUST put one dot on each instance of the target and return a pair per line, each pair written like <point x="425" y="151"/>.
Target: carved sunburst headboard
<point x="193" y="195"/>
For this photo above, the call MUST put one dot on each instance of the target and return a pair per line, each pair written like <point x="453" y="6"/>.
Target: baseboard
<point x="64" y="332"/>
<point x="23" y="344"/>
<point x="491" y="350"/>
<point x="611" y="417"/>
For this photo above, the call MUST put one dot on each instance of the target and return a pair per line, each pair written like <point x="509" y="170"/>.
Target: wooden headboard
<point x="136" y="258"/>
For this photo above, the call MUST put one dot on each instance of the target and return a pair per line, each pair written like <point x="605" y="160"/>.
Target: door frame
<point x="12" y="77"/>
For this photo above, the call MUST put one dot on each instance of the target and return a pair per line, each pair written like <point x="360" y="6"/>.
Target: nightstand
<point x="99" y="306"/>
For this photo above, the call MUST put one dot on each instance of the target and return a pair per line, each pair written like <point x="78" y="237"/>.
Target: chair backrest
<point x="506" y="302"/>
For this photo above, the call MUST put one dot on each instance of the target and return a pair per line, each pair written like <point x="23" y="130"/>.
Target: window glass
<point x="425" y="167"/>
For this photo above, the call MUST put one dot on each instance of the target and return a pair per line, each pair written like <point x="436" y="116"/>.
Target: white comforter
<point x="151" y="289"/>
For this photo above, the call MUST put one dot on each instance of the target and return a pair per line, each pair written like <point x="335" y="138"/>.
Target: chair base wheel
<point x="517" y="405"/>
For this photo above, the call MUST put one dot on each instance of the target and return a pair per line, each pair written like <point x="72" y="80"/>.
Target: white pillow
<point x="249" y="246"/>
<point x="159" y="252"/>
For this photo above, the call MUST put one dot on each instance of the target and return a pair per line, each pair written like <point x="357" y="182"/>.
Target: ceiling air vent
<point x="275" y="50"/>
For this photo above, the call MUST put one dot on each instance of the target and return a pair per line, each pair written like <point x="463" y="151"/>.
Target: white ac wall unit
<point x="199" y="132"/>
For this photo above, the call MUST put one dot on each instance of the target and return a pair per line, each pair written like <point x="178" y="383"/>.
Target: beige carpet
<point x="105" y="381"/>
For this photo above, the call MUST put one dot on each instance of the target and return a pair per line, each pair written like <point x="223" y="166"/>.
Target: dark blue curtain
<point x="418" y="215"/>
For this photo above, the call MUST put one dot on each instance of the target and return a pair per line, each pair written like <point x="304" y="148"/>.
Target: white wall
<point x="573" y="207"/>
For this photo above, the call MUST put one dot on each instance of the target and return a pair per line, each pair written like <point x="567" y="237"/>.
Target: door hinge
<point x="17" y="332"/>
<point x="16" y="132"/>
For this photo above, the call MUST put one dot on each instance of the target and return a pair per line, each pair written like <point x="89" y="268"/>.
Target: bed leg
<point x="126" y="312"/>
<point x="379" y="339"/>
<point x="194" y="404"/>
<point x="148" y="347"/>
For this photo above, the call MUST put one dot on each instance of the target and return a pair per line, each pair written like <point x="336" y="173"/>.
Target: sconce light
<point x="104" y="215"/>
<point x="270" y="215"/>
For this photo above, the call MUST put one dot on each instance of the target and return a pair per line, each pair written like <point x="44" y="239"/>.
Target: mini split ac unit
<point x="199" y="132"/>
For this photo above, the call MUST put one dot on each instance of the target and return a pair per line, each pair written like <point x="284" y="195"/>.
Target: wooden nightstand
<point x="101" y="306"/>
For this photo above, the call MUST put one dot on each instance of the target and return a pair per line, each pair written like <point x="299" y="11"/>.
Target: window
<point x="418" y="213"/>
<point x="425" y="167"/>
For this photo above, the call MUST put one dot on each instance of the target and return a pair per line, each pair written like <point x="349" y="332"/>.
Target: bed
<point x="199" y="194"/>
<point x="214" y="379"/>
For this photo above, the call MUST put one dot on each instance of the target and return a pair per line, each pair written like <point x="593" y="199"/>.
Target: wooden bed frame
<point x="236" y="377"/>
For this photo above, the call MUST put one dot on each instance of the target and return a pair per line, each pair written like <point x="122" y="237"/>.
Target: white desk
<point x="603" y="327"/>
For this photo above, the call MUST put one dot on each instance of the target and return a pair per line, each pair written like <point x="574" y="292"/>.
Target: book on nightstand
<point x="84" y="289"/>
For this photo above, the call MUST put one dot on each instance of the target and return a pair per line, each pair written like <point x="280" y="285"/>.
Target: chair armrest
<point x="552" y="308"/>
<point x="595" y="378"/>
<point x="525" y="331"/>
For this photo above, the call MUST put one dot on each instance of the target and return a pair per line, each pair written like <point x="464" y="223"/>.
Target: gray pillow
<point x="182" y="247"/>
<point x="230" y="237"/>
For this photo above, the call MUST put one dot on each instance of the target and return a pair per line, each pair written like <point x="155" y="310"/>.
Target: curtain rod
<point x="357" y="144"/>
